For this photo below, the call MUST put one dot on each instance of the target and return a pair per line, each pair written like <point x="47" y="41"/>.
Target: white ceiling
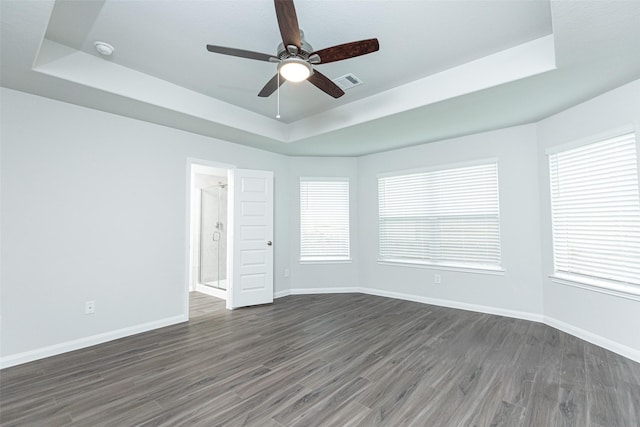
<point x="444" y="69"/>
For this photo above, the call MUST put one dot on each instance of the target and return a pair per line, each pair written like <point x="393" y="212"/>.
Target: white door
<point x="252" y="252"/>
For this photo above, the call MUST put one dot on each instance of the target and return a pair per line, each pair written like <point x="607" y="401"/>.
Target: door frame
<point x="191" y="164"/>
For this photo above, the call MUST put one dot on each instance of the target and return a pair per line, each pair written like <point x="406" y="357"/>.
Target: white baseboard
<point x="40" y="353"/>
<point x="455" y="304"/>
<point x="416" y="298"/>
<point x="214" y="292"/>
<point x="281" y="294"/>
<point x="336" y="290"/>
<point x="314" y="291"/>
<point x="599" y="340"/>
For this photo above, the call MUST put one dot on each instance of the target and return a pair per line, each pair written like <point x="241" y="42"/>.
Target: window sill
<point x="326" y="261"/>
<point x="602" y="286"/>
<point x="444" y="267"/>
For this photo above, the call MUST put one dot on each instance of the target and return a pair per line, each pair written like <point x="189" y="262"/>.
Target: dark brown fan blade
<point x="242" y="53"/>
<point x="347" y="50"/>
<point x="270" y="87"/>
<point x="323" y="83"/>
<point x="288" y="22"/>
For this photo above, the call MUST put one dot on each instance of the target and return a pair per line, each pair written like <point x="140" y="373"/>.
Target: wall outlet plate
<point x="90" y="307"/>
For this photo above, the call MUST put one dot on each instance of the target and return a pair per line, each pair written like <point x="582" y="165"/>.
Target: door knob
<point x="269" y="243"/>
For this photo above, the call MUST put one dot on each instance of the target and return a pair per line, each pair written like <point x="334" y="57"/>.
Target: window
<point x="324" y="219"/>
<point x="444" y="217"/>
<point x="595" y="212"/>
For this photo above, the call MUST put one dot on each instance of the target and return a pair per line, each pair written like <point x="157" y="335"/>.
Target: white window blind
<point x="595" y="211"/>
<point x="445" y="217"/>
<point x="324" y="219"/>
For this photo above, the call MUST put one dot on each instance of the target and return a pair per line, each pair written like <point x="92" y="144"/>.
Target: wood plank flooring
<point x="329" y="360"/>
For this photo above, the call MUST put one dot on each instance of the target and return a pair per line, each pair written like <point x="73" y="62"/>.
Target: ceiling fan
<point x="296" y="57"/>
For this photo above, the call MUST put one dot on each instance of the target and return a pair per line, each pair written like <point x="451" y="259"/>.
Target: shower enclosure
<point x="213" y="235"/>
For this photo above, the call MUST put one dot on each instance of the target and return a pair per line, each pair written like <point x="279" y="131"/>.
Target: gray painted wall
<point x="85" y="193"/>
<point x="519" y="290"/>
<point x="613" y="320"/>
<point x="94" y="208"/>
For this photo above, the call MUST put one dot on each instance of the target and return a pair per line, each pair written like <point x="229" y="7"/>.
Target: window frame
<point x="328" y="259"/>
<point x="596" y="284"/>
<point x="446" y="265"/>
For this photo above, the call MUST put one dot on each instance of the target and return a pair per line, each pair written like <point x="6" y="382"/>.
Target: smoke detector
<point x="347" y="81"/>
<point x="104" y="49"/>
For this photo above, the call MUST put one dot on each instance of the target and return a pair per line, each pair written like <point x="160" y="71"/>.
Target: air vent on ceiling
<point x="347" y="81"/>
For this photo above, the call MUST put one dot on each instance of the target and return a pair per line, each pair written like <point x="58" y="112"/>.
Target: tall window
<point x="324" y="219"/>
<point x="448" y="217"/>
<point x="595" y="212"/>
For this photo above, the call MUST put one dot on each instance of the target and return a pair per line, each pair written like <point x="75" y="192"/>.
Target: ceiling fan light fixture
<point x="295" y="69"/>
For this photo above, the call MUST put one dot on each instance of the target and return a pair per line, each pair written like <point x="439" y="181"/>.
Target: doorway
<point x="230" y="233"/>
<point x="209" y="230"/>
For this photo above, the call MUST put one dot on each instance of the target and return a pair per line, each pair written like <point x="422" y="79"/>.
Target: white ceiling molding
<point x="512" y="64"/>
<point x="87" y="70"/>
<point x="525" y="60"/>
<point x="452" y="85"/>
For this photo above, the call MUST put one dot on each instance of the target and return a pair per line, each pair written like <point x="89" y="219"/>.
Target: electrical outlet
<point x="286" y="272"/>
<point x="437" y="279"/>
<point x="90" y="307"/>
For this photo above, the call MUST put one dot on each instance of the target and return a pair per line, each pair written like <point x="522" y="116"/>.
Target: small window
<point x="595" y="212"/>
<point x="324" y="219"/>
<point x="448" y="217"/>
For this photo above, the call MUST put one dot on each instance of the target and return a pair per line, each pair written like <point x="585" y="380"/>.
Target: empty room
<point x="320" y="213"/>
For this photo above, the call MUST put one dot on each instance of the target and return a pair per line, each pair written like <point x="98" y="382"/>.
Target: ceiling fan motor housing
<point x="304" y="52"/>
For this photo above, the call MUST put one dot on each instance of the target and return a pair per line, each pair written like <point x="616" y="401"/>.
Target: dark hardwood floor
<point x="330" y="360"/>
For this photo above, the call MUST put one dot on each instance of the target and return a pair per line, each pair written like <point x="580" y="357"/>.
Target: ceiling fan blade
<point x="270" y="87"/>
<point x="347" y="50"/>
<point x="242" y="53"/>
<point x="323" y="83"/>
<point x="288" y="22"/>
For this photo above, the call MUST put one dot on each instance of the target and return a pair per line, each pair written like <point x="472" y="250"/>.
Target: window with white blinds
<point x="595" y="212"/>
<point x="324" y="219"/>
<point x="447" y="217"/>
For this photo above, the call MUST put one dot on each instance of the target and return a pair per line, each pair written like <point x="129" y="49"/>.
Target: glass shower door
<point x="213" y="247"/>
